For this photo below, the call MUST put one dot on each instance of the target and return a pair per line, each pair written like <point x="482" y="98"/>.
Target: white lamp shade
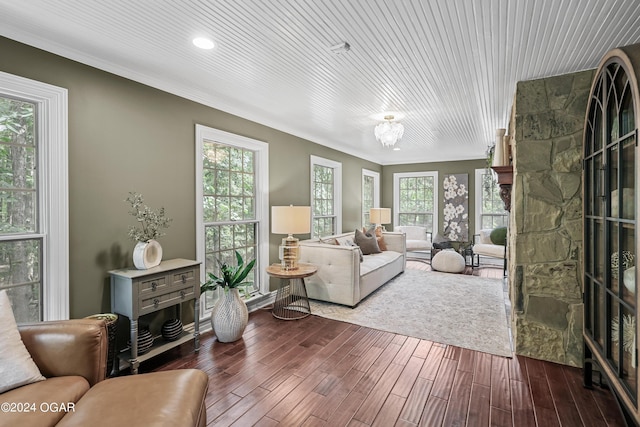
<point x="290" y="219"/>
<point x="380" y="215"/>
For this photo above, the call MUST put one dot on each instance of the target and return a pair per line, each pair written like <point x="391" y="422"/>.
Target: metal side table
<point x="291" y="298"/>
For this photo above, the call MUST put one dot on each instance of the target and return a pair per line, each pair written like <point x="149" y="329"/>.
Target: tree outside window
<point x="490" y="212"/>
<point x="415" y="199"/>
<point x="21" y="243"/>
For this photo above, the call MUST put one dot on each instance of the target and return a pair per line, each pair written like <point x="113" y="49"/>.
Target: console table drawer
<point x="184" y="277"/>
<point x="151" y="303"/>
<point x="155" y="285"/>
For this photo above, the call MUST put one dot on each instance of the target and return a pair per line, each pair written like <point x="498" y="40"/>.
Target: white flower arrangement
<point x="628" y="332"/>
<point x="151" y="223"/>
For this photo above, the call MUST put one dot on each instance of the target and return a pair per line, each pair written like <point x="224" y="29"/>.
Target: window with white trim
<point x="415" y="199"/>
<point x="326" y="197"/>
<point x="370" y="194"/>
<point x="490" y="212"/>
<point x="232" y="199"/>
<point x="34" y="234"/>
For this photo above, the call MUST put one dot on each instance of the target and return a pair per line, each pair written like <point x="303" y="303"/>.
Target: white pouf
<point x="448" y="261"/>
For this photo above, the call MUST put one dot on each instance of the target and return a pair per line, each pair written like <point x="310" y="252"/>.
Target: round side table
<point x="291" y="298"/>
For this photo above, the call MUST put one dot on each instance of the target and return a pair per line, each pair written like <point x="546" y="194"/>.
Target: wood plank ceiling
<point x="449" y="66"/>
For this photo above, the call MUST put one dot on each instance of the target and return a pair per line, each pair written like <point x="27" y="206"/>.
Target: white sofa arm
<point x="338" y="276"/>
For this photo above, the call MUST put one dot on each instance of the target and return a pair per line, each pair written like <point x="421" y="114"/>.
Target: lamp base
<point x="289" y="253"/>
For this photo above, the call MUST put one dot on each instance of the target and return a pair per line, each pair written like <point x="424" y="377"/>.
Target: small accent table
<point x="291" y="298"/>
<point x="135" y="293"/>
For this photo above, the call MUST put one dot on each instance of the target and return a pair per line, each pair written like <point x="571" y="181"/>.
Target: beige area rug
<point x="461" y="310"/>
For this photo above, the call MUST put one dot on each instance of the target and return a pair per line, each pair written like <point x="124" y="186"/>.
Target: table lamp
<point x="290" y="220"/>
<point x="379" y="216"/>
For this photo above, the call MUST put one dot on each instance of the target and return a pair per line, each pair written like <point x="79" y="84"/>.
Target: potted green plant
<point x="147" y="252"/>
<point x="229" y="316"/>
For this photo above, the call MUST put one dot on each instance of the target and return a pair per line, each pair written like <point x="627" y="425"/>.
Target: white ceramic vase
<point x="147" y="254"/>
<point x="229" y="316"/>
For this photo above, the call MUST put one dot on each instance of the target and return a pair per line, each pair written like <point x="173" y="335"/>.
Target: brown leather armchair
<point x="72" y="354"/>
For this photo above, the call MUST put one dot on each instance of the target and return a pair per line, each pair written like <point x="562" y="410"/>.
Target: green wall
<point x="467" y="166"/>
<point x="125" y="136"/>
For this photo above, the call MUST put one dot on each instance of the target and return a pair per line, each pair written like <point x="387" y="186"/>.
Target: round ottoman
<point x="448" y="261"/>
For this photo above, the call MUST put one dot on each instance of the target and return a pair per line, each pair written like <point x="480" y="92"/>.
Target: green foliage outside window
<point x="417" y="201"/>
<point x="229" y="210"/>
<point x="20" y="254"/>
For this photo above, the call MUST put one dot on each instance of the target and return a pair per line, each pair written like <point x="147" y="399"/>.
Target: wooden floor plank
<point x="458" y="407"/>
<point x="433" y="413"/>
<point x="585" y="402"/>
<point x="390" y="411"/>
<point x="499" y="418"/>
<point x="521" y="405"/>
<point x="480" y="405"/>
<point x="320" y="372"/>
<point x="432" y="363"/>
<point x="561" y="396"/>
<point x="444" y="380"/>
<point x="416" y="401"/>
<point x="500" y="387"/>
<point x="408" y="377"/>
<point x="378" y="394"/>
<point x="482" y="369"/>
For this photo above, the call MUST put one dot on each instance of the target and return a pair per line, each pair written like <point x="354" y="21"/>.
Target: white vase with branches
<point x="147" y="252"/>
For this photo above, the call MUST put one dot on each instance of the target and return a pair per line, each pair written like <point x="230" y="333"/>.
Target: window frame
<point x="479" y="199"/>
<point x="261" y="150"/>
<point x="436" y="202"/>
<point x="53" y="185"/>
<point x="376" y="191"/>
<point x="337" y="190"/>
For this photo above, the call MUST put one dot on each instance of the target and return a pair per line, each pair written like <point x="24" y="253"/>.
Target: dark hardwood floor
<point x="321" y="372"/>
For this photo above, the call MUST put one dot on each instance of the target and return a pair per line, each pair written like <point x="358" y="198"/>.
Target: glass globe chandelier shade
<point x="389" y="132"/>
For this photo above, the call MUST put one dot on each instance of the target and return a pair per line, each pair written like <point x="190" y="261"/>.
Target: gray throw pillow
<point x="368" y="244"/>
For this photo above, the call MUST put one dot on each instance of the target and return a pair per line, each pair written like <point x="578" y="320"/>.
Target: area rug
<point x="461" y="310"/>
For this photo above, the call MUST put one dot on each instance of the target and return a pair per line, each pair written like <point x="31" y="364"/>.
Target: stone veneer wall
<point x="546" y="217"/>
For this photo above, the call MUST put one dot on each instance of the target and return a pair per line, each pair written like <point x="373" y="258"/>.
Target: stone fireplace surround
<point x="545" y="235"/>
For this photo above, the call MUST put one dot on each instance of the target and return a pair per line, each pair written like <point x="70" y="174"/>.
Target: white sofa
<point x="341" y="277"/>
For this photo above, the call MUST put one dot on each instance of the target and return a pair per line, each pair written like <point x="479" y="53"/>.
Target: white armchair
<point x="418" y="240"/>
<point x="483" y="246"/>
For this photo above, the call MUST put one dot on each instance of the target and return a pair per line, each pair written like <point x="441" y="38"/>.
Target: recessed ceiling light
<point x="396" y="149"/>
<point x="203" y="43"/>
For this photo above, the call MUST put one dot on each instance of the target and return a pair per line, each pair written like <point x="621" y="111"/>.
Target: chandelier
<point x="389" y="132"/>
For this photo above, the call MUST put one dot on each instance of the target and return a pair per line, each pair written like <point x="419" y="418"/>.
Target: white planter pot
<point x="147" y="254"/>
<point x="229" y="316"/>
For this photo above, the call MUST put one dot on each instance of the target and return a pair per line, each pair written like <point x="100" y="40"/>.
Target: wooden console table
<point x="135" y="293"/>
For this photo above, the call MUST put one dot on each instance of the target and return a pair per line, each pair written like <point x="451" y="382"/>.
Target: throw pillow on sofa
<point x="17" y="368"/>
<point x="498" y="236"/>
<point x="368" y="244"/>
<point x="376" y="231"/>
<point x="348" y="241"/>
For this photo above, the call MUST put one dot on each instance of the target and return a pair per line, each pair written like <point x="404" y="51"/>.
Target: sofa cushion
<point x="496" y="251"/>
<point x="368" y="244"/>
<point x="17" y="368"/>
<point x="375" y="261"/>
<point x="168" y="398"/>
<point x="448" y="261"/>
<point x="57" y="390"/>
